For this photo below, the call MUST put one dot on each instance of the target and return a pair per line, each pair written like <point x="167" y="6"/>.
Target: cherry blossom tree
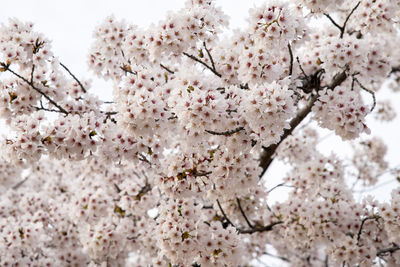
<point x="173" y="170"/>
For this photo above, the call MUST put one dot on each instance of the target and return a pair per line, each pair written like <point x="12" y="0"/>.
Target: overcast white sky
<point x="69" y="24"/>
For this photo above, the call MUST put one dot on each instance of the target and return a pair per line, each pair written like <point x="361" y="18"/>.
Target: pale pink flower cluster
<point x="342" y="111"/>
<point x="185" y="238"/>
<point x="369" y="160"/>
<point x="385" y="111"/>
<point x="267" y="109"/>
<point x="169" y="173"/>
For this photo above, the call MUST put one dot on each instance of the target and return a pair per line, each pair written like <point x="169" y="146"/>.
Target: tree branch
<point x="31" y="84"/>
<point x="390" y="250"/>
<point x="255" y="229"/>
<point x="267" y="156"/>
<point x="16" y="186"/>
<point x="291" y="59"/>
<point x="74" y="77"/>
<point x="227" y="133"/>
<point x="224" y="214"/>
<point x="342" y="28"/>
<point x="367" y="90"/>
<point x="210" y="57"/>
<point x="243" y="214"/>
<point x="167" y="69"/>
<point x="374" y="217"/>
<point x="203" y="63"/>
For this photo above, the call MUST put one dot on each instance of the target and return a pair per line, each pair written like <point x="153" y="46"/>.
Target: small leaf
<point x="216" y="252"/>
<point x="119" y="210"/>
<point x="185" y="235"/>
<point x="46" y="139"/>
<point x="21" y="232"/>
<point x="44" y="83"/>
<point x="201" y="54"/>
<point x="190" y="89"/>
<point x="13" y="96"/>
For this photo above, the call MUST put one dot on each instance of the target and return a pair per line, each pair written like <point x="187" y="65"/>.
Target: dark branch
<point x="243" y="213"/>
<point x="210" y="57"/>
<point x="279" y="185"/>
<point x="383" y="252"/>
<point x="342" y="28"/>
<point x="333" y="21"/>
<point x="223" y="213"/>
<point x="167" y="69"/>
<point x="32" y="71"/>
<point x="127" y="69"/>
<point x="268" y="154"/>
<point x="394" y="70"/>
<point x="16" y="186"/>
<point x="276" y="256"/>
<point x="291" y="59"/>
<point x="31" y="84"/>
<point x="46" y="109"/>
<point x="143" y="158"/>
<point x="74" y="77"/>
<point x="198" y="174"/>
<point x="203" y="63"/>
<point x="227" y="133"/>
<point x="367" y="90"/>
<point x="255" y="229"/>
<point x="146" y="188"/>
<point x="374" y="217"/>
<point x="117" y="188"/>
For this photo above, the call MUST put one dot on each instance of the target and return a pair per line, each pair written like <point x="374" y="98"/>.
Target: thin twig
<point x="199" y="174"/>
<point x="223" y="213"/>
<point x="367" y="90"/>
<point x="62" y="110"/>
<point x="291" y="59"/>
<point x="166" y="68"/>
<point x="276" y="256"/>
<point x="127" y="69"/>
<point x="243" y="213"/>
<point x="32" y="71"/>
<point x="210" y="57"/>
<point x="46" y="109"/>
<point x="278" y="185"/>
<point x="226" y="133"/>
<point x="203" y="63"/>
<point x="374" y="217"/>
<point x="342" y="28"/>
<point x="255" y="229"/>
<point x="74" y="77"/>
<point x="117" y="188"/>
<point x="390" y="250"/>
<point x="144" y="159"/>
<point x="348" y="17"/>
<point x="16" y="186"/>
<point x="333" y="21"/>
<point x="301" y="68"/>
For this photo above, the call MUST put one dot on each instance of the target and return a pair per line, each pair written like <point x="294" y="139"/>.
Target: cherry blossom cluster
<point x="175" y="170"/>
<point x="273" y="106"/>
<point x="369" y="159"/>
<point x="342" y="111"/>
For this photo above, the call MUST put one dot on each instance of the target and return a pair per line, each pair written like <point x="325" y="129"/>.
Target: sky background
<point x="70" y="24"/>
